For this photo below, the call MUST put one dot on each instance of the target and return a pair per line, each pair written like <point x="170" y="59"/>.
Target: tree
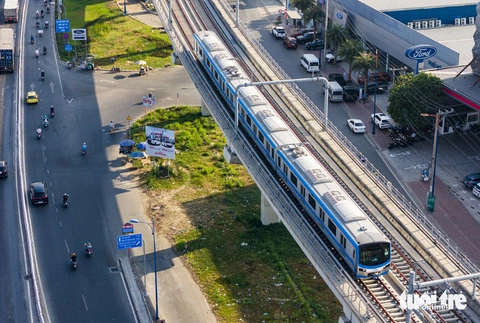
<point x="362" y="64"/>
<point x="350" y="49"/>
<point x="315" y="14"/>
<point x="336" y="35"/>
<point x="413" y="95"/>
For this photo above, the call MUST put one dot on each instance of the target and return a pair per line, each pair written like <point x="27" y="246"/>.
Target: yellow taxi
<point x="32" y="97"/>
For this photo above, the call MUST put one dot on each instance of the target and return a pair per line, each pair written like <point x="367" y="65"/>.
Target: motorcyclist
<point x="84" y="148"/>
<point x="48" y="9"/>
<point x="42" y="74"/>
<point x="39" y="132"/>
<point x="46" y="24"/>
<point x="37" y="23"/>
<point x="42" y="13"/>
<point x="37" y="52"/>
<point x="52" y="110"/>
<point x="73" y="257"/>
<point x="40" y="33"/>
<point x="65" y="198"/>
<point x="44" y="50"/>
<point x="32" y="39"/>
<point x="45" y="120"/>
<point x="36" y="13"/>
<point x="88" y="247"/>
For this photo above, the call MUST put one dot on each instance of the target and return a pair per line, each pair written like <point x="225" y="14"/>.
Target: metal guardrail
<point x="411" y="210"/>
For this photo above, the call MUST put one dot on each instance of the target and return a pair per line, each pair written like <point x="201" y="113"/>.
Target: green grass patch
<point x="249" y="272"/>
<point x="111" y="34"/>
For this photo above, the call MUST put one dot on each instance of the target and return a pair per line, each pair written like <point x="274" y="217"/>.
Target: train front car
<point x="374" y="255"/>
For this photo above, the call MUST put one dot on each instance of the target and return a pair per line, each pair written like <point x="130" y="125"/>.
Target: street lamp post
<point x="374" y="108"/>
<point x="152" y="226"/>
<point x="124" y="7"/>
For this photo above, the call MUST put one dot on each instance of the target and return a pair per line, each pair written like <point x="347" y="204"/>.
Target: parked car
<point x="314" y="44"/>
<point x="307" y="37"/>
<point x="373" y="87"/>
<point x="3" y="169"/>
<point x="350" y="93"/>
<point x="381" y="78"/>
<point x="471" y="180"/>
<point x="336" y="77"/>
<point x="278" y="32"/>
<point x="290" y="42"/>
<point x="381" y="120"/>
<point x="330" y="57"/>
<point x="39" y="193"/>
<point x="32" y="97"/>
<point x="476" y="190"/>
<point x="301" y="32"/>
<point x="356" y="125"/>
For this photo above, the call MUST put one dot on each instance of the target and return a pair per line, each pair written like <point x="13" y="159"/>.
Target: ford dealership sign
<point x="421" y="52"/>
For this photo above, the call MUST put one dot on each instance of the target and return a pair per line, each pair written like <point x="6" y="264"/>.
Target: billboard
<point x="160" y="142"/>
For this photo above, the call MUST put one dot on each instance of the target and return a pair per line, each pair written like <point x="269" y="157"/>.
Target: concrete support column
<point x="204" y="109"/>
<point x="267" y="214"/>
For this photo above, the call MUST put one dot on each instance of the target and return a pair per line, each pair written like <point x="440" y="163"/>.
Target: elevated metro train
<point x="364" y="248"/>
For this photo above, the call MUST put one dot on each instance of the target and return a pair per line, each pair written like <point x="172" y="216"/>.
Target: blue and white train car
<point x="362" y="245"/>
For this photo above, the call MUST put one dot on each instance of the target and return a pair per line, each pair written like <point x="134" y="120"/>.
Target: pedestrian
<point x="146" y="70"/>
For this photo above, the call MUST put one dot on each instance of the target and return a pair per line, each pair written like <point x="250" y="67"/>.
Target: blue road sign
<point x="129" y="241"/>
<point x="62" y="26"/>
<point x="68" y="48"/>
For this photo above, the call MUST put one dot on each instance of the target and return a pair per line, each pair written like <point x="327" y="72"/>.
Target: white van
<point x="310" y="62"/>
<point x="335" y="92"/>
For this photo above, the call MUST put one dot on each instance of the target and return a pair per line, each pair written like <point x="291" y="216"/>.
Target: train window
<point x="279" y="161"/>
<point x="209" y="64"/>
<point x="249" y="121"/>
<point x="322" y="215"/>
<point x="272" y="152"/>
<point x="268" y="146"/>
<point x="215" y="74"/>
<point x="343" y="241"/>
<point x="312" y="202"/>
<point x="200" y="51"/>
<point x="302" y="190"/>
<point x="261" y="137"/>
<point x="332" y="227"/>
<point x="293" y="178"/>
<point x="285" y="169"/>
<point x="375" y="253"/>
<point x="254" y="128"/>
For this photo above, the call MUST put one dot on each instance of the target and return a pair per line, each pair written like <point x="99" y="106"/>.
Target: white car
<point x="279" y="32"/>
<point x="356" y="125"/>
<point x="381" y="120"/>
<point x="330" y="57"/>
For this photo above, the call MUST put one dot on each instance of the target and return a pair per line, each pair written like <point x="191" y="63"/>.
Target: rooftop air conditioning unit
<point x="424" y="24"/>
<point x="463" y="21"/>
<point x="438" y="23"/>
<point x="431" y="24"/>
<point x="471" y="20"/>
<point x="410" y="24"/>
<point x="457" y="21"/>
<point x="418" y="25"/>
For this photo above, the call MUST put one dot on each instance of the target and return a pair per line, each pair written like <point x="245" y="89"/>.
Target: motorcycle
<point x="115" y="69"/>
<point x="39" y="133"/>
<point x="88" y="250"/>
<point x="45" y="122"/>
<point x="48" y="9"/>
<point x="46" y="24"/>
<point x="42" y="76"/>
<point x="84" y="150"/>
<point x="44" y="51"/>
<point x="74" y="264"/>
<point x="69" y="65"/>
<point x="52" y="113"/>
<point x="37" y="53"/>
<point x="32" y="40"/>
<point x="112" y="127"/>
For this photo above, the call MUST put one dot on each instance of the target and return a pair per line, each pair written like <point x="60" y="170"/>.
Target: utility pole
<point x="439" y="118"/>
<point x="401" y="69"/>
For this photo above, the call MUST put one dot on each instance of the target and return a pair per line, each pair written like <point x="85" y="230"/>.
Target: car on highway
<point x="290" y="42"/>
<point x="314" y="44"/>
<point x="381" y="120"/>
<point x="350" y="93"/>
<point x="471" y="180"/>
<point x="356" y="125"/>
<point x="39" y="193"/>
<point x="278" y="32"/>
<point x="32" y="97"/>
<point x="3" y="168"/>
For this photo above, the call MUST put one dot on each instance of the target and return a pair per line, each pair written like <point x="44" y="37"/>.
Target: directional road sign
<point x="127" y="228"/>
<point x="68" y="47"/>
<point x="129" y="241"/>
<point x="62" y="26"/>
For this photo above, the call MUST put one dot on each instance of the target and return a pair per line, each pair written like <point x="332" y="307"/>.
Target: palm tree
<point x="316" y="14"/>
<point x="336" y="35"/>
<point x="350" y="49"/>
<point x="362" y="64"/>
